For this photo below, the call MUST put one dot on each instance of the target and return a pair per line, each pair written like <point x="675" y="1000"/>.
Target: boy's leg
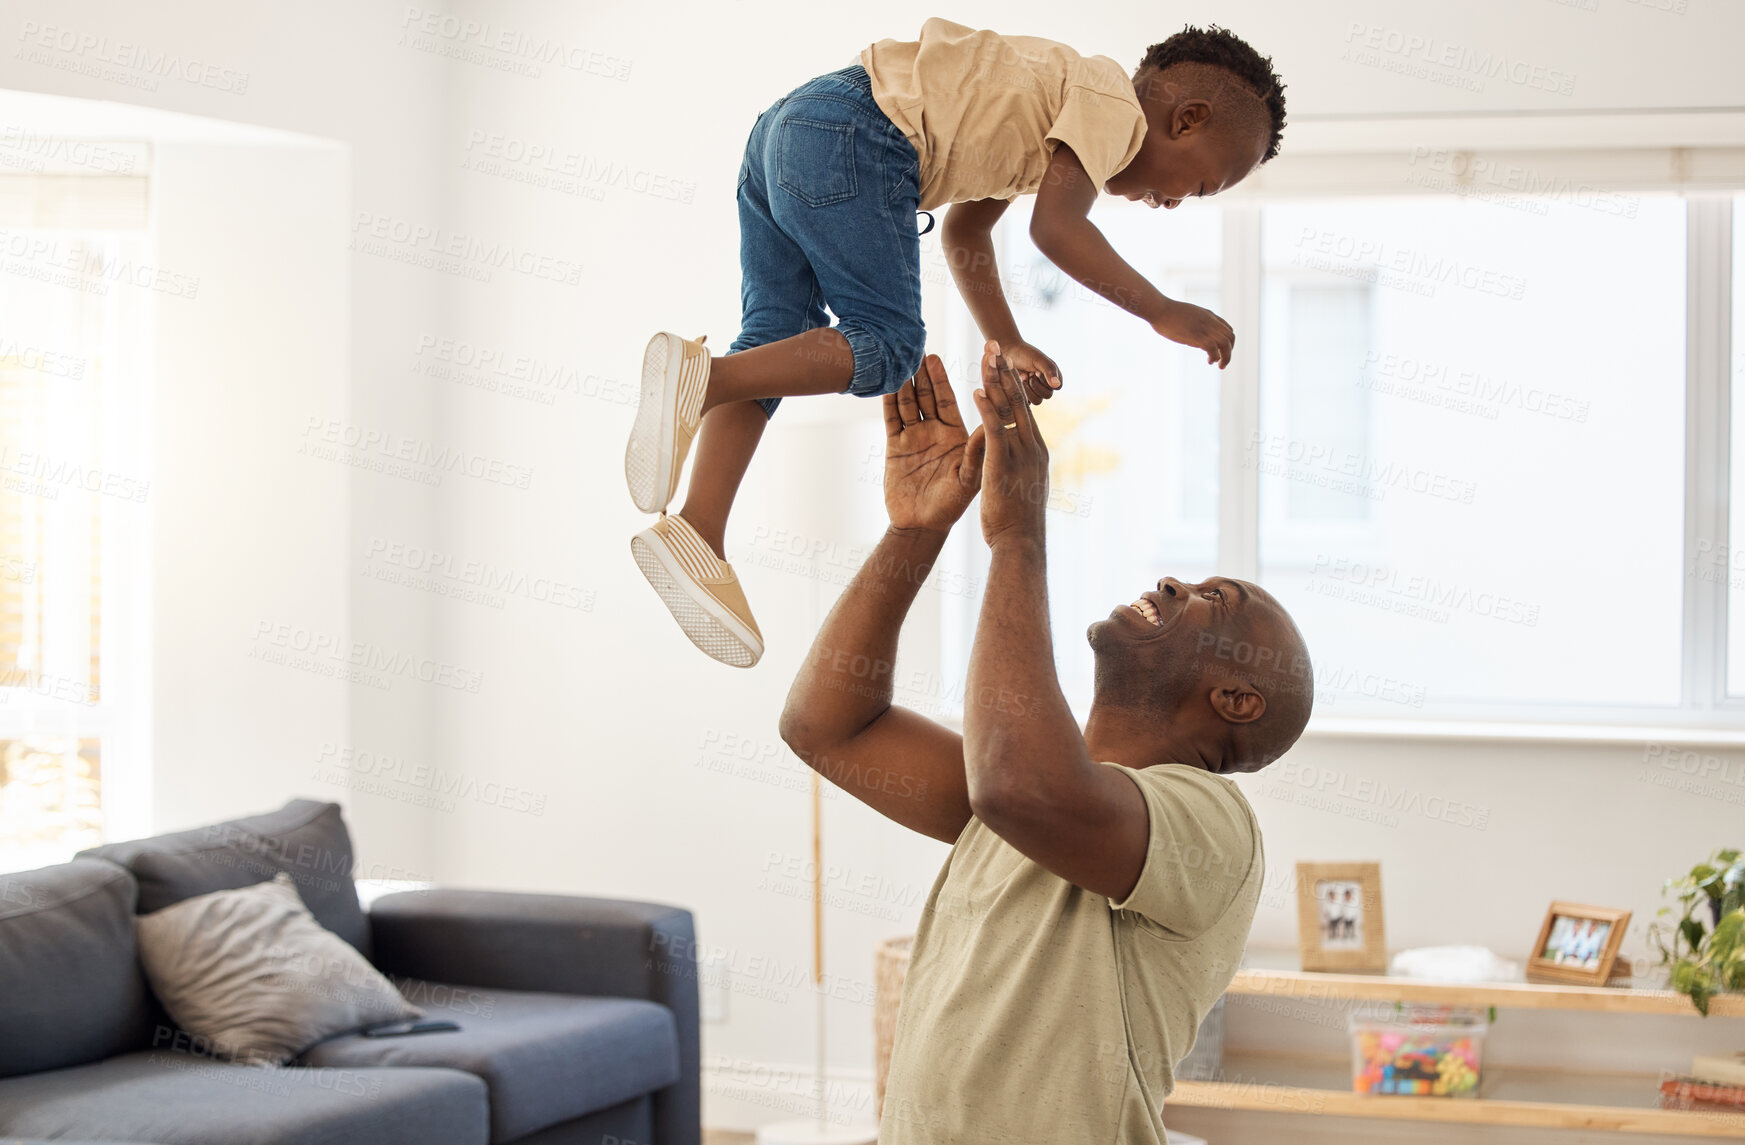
<point x="725" y="446"/>
<point x="854" y="215"/>
<point x="815" y="362"/>
<point x="784" y="349"/>
<point x="836" y="191"/>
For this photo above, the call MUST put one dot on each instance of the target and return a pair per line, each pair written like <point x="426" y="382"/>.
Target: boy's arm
<point x="1061" y="228"/>
<point x="968" y="239"/>
<point x="969" y="250"/>
<point x="839" y="717"/>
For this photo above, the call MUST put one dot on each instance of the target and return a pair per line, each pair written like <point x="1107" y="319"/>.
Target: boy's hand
<point x="1015" y="477"/>
<point x="1196" y="326"/>
<point x="1036" y="370"/>
<point x="933" y="466"/>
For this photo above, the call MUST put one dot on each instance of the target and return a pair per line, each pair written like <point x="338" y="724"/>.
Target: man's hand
<point x="1198" y="327"/>
<point x="1036" y="370"/>
<point x="933" y="468"/>
<point x="1015" y="475"/>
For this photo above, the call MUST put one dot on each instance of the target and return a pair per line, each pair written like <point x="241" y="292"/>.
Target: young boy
<point x="833" y="177"/>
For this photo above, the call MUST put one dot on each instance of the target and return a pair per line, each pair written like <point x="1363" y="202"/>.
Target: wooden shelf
<point x="1309" y="986"/>
<point x="1544" y="1099"/>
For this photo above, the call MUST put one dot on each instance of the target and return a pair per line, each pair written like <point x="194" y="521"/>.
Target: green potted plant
<point x="1707" y="957"/>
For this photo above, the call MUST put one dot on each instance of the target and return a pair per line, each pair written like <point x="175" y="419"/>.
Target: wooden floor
<point x="723" y="1137"/>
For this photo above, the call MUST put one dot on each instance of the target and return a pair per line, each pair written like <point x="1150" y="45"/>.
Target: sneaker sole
<point x="711" y="627"/>
<point x="648" y="459"/>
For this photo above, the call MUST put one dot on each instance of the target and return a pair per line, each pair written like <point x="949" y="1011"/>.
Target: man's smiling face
<point x="1183" y="653"/>
<point x="1171" y="603"/>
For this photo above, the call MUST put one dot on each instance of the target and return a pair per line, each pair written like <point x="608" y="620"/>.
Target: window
<point x="70" y="504"/>
<point x="1472" y="446"/>
<point x="1461" y="451"/>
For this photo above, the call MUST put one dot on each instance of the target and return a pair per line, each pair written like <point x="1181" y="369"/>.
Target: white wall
<point x="232" y="693"/>
<point x="640" y="768"/>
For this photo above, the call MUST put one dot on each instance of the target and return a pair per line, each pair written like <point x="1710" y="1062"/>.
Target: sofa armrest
<point x="557" y="944"/>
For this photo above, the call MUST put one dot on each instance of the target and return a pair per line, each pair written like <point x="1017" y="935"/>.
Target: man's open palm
<point x="933" y="466"/>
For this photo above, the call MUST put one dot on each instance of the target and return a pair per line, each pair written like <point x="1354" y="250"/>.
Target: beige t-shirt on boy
<point x="1038" y="1013"/>
<point x="984" y="111"/>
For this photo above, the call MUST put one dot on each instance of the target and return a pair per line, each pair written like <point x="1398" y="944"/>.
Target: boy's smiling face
<point x="1190" y="151"/>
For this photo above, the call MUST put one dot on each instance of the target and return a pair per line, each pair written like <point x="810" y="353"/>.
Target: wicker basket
<point x="890" y="967"/>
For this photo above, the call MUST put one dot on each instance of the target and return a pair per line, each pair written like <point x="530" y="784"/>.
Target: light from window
<point x="1471" y="449"/>
<point x="56" y="487"/>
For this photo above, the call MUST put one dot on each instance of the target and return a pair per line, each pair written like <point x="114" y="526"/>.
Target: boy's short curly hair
<point x="1222" y="48"/>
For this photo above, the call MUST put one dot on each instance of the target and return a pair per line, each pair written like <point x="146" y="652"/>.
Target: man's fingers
<point x="985" y="406"/>
<point x="907" y="408"/>
<point x="924" y="385"/>
<point x="990" y="359"/>
<point x="1016" y="409"/>
<point x="1022" y="413"/>
<point x="1000" y="394"/>
<point x="975" y="454"/>
<point x="944" y="400"/>
<point x="893" y="420"/>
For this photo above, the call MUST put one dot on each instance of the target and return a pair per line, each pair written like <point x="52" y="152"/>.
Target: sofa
<point x="578" y="1016"/>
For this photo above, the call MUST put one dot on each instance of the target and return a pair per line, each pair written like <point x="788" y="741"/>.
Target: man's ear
<point x="1190" y="117"/>
<point x="1237" y="702"/>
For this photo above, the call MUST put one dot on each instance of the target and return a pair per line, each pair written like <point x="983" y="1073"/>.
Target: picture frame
<point x="1340" y="924"/>
<point x="1577" y="944"/>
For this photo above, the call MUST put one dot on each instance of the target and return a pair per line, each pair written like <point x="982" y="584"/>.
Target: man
<point x="1101" y="882"/>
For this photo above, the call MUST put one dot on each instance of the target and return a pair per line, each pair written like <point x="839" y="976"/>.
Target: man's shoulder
<point x="1185" y="778"/>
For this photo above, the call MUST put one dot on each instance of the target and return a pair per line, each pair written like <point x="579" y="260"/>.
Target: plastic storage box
<point x="1417" y="1051"/>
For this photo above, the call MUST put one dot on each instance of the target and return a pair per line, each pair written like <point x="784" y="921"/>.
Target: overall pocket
<point x="815" y="161"/>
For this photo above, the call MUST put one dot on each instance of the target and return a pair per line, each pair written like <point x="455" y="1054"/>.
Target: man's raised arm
<point x="839" y="717"/>
<point x="1032" y="779"/>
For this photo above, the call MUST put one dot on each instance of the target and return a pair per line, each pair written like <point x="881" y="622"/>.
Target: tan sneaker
<point x="675" y="372"/>
<point x="699" y="589"/>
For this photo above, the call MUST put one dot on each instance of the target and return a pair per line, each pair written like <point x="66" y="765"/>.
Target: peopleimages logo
<point x="38" y="150"/>
<point x="298" y="646"/>
<point x="422" y="244"/>
<point x="1424" y="589"/>
<point x="1368" y="43"/>
<point x="90" y="48"/>
<point x="513" y="49"/>
<point x="366" y="442"/>
<point x="1419" y="271"/>
<point x="1488" y="390"/>
<point x="1281" y="456"/>
<point x="381" y="767"/>
<point x="482" y="575"/>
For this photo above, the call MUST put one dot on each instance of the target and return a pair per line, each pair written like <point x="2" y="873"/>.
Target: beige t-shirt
<point x="1038" y="1013"/>
<point x="984" y="111"/>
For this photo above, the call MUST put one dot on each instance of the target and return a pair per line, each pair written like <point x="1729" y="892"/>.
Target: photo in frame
<point x="1339" y="918"/>
<point x="1577" y="944"/>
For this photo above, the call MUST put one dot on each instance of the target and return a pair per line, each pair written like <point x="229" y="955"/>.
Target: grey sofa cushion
<point x="179" y="1099"/>
<point x="253" y="977"/>
<point x="71" y="990"/>
<point x="305" y="839"/>
<point x="545" y="1057"/>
